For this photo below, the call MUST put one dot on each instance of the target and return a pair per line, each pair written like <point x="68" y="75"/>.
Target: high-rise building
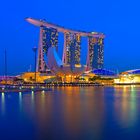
<point x="72" y="48"/>
<point x="48" y="38"/>
<point x="95" y="53"/>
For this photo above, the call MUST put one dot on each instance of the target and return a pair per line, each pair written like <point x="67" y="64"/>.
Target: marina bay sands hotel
<point x="70" y="63"/>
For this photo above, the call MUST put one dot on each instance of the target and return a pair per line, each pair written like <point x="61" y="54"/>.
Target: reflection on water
<point x="125" y="106"/>
<point x="73" y="113"/>
<point x="2" y="103"/>
<point x="32" y="101"/>
<point x="20" y="101"/>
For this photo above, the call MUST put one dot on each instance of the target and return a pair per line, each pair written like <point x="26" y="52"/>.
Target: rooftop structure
<point x="44" y="23"/>
<point x="104" y="72"/>
<point x="132" y="72"/>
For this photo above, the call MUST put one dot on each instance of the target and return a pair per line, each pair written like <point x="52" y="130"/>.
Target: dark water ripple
<point x="72" y="113"/>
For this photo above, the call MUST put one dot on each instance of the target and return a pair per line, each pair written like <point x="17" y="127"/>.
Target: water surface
<point x="71" y="113"/>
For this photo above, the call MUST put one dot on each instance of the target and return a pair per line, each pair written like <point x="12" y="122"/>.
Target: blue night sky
<point x="119" y="20"/>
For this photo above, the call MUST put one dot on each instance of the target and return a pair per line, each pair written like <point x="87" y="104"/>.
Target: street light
<point x="5" y="61"/>
<point x="35" y="51"/>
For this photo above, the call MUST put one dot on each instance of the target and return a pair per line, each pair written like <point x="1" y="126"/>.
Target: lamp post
<point x="5" y="61"/>
<point x="35" y="51"/>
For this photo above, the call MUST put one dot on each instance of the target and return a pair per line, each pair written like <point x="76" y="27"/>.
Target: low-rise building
<point x="128" y="77"/>
<point x="29" y="77"/>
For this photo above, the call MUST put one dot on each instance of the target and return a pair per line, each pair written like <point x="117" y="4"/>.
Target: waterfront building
<point x="101" y="76"/>
<point x="70" y="64"/>
<point x="8" y="80"/>
<point x="72" y="49"/>
<point x="48" y="38"/>
<point x="95" y="58"/>
<point x="128" y="77"/>
<point x="104" y="73"/>
<point x="29" y="77"/>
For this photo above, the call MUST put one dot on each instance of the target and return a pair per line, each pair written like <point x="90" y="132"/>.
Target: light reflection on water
<point x="2" y="103"/>
<point x="73" y="113"/>
<point x="20" y="101"/>
<point x="126" y="100"/>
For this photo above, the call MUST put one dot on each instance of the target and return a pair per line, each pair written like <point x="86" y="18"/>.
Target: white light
<point x="43" y="91"/>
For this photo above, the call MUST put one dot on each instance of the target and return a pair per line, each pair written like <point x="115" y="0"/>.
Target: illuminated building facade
<point x="48" y="38"/>
<point x="95" y="56"/>
<point x="29" y="77"/>
<point x="72" y="49"/>
<point x="128" y="77"/>
<point x="71" y="58"/>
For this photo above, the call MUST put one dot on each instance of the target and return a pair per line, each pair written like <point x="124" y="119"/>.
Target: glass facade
<point x="48" y="38"/>
<point x="96" y="58"/>
<point x="73" y="50"/>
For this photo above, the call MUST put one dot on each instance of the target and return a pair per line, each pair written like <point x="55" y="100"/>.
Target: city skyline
<point x="119" y="24"/>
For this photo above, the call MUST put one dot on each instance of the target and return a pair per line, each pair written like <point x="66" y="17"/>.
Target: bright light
<point x="43" y="91"/>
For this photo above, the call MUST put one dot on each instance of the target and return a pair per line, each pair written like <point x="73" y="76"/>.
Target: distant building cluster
<point x="51" y="68"/>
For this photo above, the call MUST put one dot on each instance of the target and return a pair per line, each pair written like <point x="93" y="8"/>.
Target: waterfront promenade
<point x="42" y="87"/>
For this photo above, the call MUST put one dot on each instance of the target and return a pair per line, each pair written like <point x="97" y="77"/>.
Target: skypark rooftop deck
<point x="40" y="23"/>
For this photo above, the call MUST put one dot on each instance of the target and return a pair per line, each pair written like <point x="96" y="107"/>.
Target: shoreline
<point x="46" y="87"/>
<point x="42" y="87"/>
